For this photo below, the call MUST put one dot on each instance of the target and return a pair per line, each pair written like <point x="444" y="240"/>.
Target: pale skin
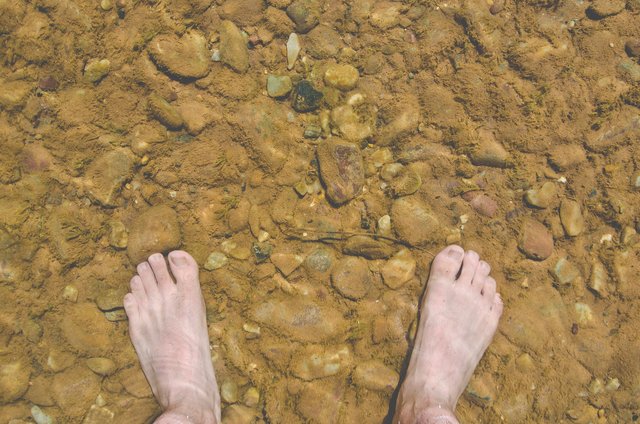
<point x="168" y="328"/>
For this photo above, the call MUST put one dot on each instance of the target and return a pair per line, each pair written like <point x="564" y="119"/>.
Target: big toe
<point x="184" y="269"/>
<point x="447" y="263"/>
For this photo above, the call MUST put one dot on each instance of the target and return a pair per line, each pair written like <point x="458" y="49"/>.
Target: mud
<point x="313" y="177"/>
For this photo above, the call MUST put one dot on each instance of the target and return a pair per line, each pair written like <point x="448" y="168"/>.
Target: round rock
<point x="414" y="222"/>
<point x="155" y="230"/>
<point x="351" y="277"/>
<point x="342" y="77"/>
<point x="535" y="241"/>
<point x="185" y="57"/>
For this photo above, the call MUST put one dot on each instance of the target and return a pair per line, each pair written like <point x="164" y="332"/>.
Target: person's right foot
<point x="458" y="319"/>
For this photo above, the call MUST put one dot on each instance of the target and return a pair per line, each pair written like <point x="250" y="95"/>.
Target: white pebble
<point x="293" y="49"/>
<point x="215" y="260"/>
<point x="216" y="56"/>
<point x="606" y="238"/>
<point x="39" y="416"/>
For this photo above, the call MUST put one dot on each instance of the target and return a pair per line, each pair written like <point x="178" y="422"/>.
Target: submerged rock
<point x="600" y="9"/>
<point x="535" y="241"/>
<point x="490" y="153"/>
<point x="305" y="97"/>
<point x="342" y="77"/>
<point x="541" y="197"/>
<point x="14" y="380"/>
<point x="565" y="272"/>
<point x="154" y="230"/>
<point x="96" y="69"/>
<point x="374" y="375"/>
<point x="367" y="247"/>
<point x="414" y="222"/>
<point x="233" y="47"/>
<point x="293" y="49"/>
<point x="278" y="86"/>
<point x="351" y="277"/>
<point x="183" y="57"/>
<point x="349" y="124"/>
<point x="164" y="112"/>
<point x="107" y="175"/>
<point x="316" y="361"/>
<point x="75" y="390"/>
<point x="571" y="217"/>
<point x="341" y="169"/>
<point x="399" y="269"/>
<point x="304" y="13"/>
<point x="481" y="202"/>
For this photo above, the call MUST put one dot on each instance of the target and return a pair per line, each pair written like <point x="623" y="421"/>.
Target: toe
<point x="498" y="306"/>
<point x="160" y="270"/>
<point x="489" y="289"/>
<point x="137" y="290"/>
<point x="447" y="263"/>
<point x="469" y="266"/>
<point x="481" y="275"/>
<point x="148" y="279"/>
<point x="185" y="269"/>
<point x="131" y="308"/>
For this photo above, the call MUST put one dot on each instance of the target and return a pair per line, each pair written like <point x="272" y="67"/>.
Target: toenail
<point x="143" y="266"/>
<point x="455" y="253"/>
<point x="177" y="259"/>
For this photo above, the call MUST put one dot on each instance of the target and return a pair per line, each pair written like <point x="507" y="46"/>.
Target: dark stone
<point x="341" y="170"/>
<point x="262" y="251"/>
<point x="48" y="83"/>
<point x="305" y="97"/>
<point x="304" y="15"/>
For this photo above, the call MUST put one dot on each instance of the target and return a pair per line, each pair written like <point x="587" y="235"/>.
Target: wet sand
<point x="313" y="156"/>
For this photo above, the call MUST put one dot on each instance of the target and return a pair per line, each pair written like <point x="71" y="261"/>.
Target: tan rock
<point x="414" y="222"/>
<point x="341" y="169"/>
<point x="317" y="361"/>
<point x="155" y="230"/>
<point x="134" y="382"/>
<point x="535" y="241"/>
<point x="75" y="390"/>
<point x="86" y="329"/>
<point x="14" y="380"/>
<point x="233" y="47"/>
<point x="571" y="217"/>
<point x="107" y="175"/>
<point x="351" y="277"/>
<point x="399" y="269"/>
<point x="341" y="76"/>
<point x="374" y="375"/>
<point x="184" y="57"/>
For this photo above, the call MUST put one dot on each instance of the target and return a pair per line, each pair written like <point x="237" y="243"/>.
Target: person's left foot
<point x="168" y="328"/>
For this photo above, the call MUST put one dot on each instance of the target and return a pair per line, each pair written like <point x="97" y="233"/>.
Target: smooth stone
<point x="386" y="14"/>
<point x="286" y="262"/>
<point x="164" y="112"/>
<point x="106" y="176"/>
<point x="600" y="9"/>
<point x="293" y="49"/>
<point x="525" y="363"/>
<point x="319" y="261"/>
<point x="351" y="277"/>
<point x="599" y="279"/>
<point x="60" y="361"/>
<point x="414" y="222"/>
<point x="116" y="315"/>
<point x="300" y="319"/>
<point x="399" y="269"/>
<point x="367" y="247"/>
<point x="215" y="260"/>
<point x="349" y="124"/>
<point x="341" y="169"/>
<point x="542" y="197"/>
<point x="14" y="380"/>
<point x="305" y="97"/>
<point x="406" y="182"/>
<point x="342" y="77"/>
<point x="312" y="131"/>
<point x="565" y="272"/>
<point x="233" y="47"/>
<point x="101" y="366"/>
<point x="374" y="375"/>
<point x="229" y="391"/>
<point x="75" y="389"/>
<point x="261" y="251"/>
<point x="490" y="153"/>
<point x="13" y="93"/>
<point x="99" y="415"/>
<point x="70" y="293"/>
<point x="535" y="240"/>
<point x="632" y="47"/>
<point x="571" y="217"/>
<point x="134" y="382"/>
<point x="279" y="86"/>
<point x="316" y="361"/>
<point x="304" y="14"/>
<point x="39" y="416"/>
<point x="110" y="299"/>
<point x="583" y="314"/>
<point x="239" y="414"/>
<point x="118" y="235"/>
<point x="86" y="330"/>
<point x="251" y="397"/>
<point x="481" y="203"/>
<point x="184" y="57"/>
<point x="321" y="402"/>
<point x="566" y="156"/>
<point x="95" y="70"/>
<point x="154" y="230"/>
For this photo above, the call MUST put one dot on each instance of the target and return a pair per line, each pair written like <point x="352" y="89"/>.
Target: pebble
<point x="118" y="236"/>
<point x="261" y="251"/>
<point x="229" y="391"/>
<point x="316" y="361"/>
<point x="342" y="77"/>
<point x="279" y="86"/>
<point x="303" y="13"/>
<point x="525" y="363"/>
<point x="375" y="375"/>
<point x="406" y="182"/>
<point x="293" y="50"/>
<point x="384" y="226"/>
<point x="106" y="176"/>
<point x="233" y="47"/>
<point x="134" y="382"/>
<point x="565" y="272"/>
<point x="101" y="366"/>
<point x="367" y="247"/>
<point x="286" y="262"/>
<point x="305" y="97"/>
<point x="571" y="217"/>
<point x="75" y="389"/>
<point x="215" y="260"/>
<point x="59" y="361"/>
<point x="632" y="47"/>
<point x="14" y="380"/>
<point x="239" y="414"/>
<point x="39" y="416"/>
<point x="481" y="203"/>
<point x="300" y="319"/>
<point x="399" y="269"/>
<point x="535" y="240"/>
<point x="584" y="314"/>
<point x="98" y="415"/>
<point x="612" y="385"/>
<point x="351" y="277"/>
<point x="48" y="83"/>
<point x="319" y="261"/>
<point x="251" y="397"/>
<point x="35" y="159"/>
<point x="414" y="222"/>
<point x="386" y="14"/>
<point x="323" y="402"/>
<point x="566" y="156"/>
<point x="85" y="329"/>
<point x="598" y="281"/>
<point x="164" y="112"/>
<point x="490" y="153"/>
<point x="349" y="124"/>
<point x="541" y="197"/>
<point x="600" y="9"/>
<point x="312" y="131"/>
<point x="106" y="5"/>
<point x="154" y="230"/>
<point x="70" y="293"/>
<point x="95" y="70"/>
<point x="341" y="169"/>
<point x="110" y="299"/>
<point x="185" y="57"/>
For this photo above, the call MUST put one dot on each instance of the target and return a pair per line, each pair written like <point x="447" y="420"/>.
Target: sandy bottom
<point x="313" y="177"/>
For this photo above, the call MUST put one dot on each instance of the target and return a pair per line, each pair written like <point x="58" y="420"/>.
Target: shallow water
<point x="510" y="128"/>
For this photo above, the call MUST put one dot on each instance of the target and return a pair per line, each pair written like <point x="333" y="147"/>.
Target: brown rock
<point x="414" y="222"/>
<point x="482" y="203"/>
<point x="341" y="169"/>
<point x="233" y="47"/>
<point x="14" y="380"/>
<point x="184" y="57"/>
<point x="351" y="277"/>
<point x="75" y="390"/>
<point x="374" y="375"/>
<point x="242" y="12"/>
<point x="164" y="112"/>
<point x="367" y="247"/>
<point x="36" y="158"/>
<point x="40" y="391"/>
<point x="571" y="217"/>
<point x="535" y="241"/>
<point x="134" y="382"/>
<point x="155" y="230"/>
<point x="567" y="156"/>
<point x="399" y="269"/>
<point x="633" y="47"/>
<point x="86" y="329"/>
<point x="107" y="175"/>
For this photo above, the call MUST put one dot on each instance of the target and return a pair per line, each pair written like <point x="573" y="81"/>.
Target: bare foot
<point x="168" y="327"/>
<point x="458" y="320"/>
